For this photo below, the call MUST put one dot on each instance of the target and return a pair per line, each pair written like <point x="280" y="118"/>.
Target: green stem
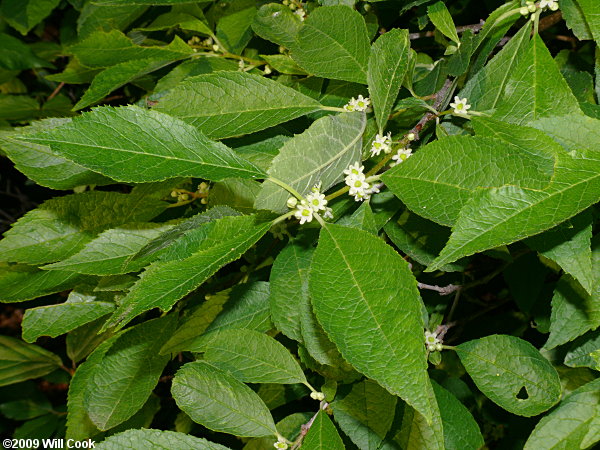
<point x="287" y="187"/>
<point x="333" y="108"/>
<point x="282" y="218"/>
<point x="448" y="347"/>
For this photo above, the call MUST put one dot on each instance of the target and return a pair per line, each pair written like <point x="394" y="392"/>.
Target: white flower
<point x="359" y="104"/>
<point x="280" y="445"/>
<point x="374" y="190"/>
<point x="354" y="170"/>
<point x="304" y="213"/>
<point x="317" y="396"/>
<point x="381" y="143"/>
<point x="300" y="13"/>
<point x="460" y="106"/>
<point x="431" y="341"/>
<point x="328" y="214"/>
<point x="550" y="4"/>
<point x="401" y="155"/>
<point x="316" y="201"/>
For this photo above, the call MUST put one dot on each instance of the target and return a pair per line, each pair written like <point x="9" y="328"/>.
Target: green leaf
<point x="574" y="311"/>
<point x="375" y="291"/>
<point x="388" y="64"/>
<point x="322" y="434"/>
<point x="441" y="18"/>
<point x="582" y="135"/>
<point x="365" y="414"/>
<point x="19" y="282"/>
<point x="289" y="287"/>
<point x="54" y="320"/>
<point x="105" y="49"/>
<point x="239" y="194"/>
<point x="156" y="438"/>
<point x="249" y="356"/>
<point x="461" y="431"/>
<point x="581" y="351"/>
<point x="416" y="433"/>
<point x="139" y="2"/>
<point x="226" y="104"/>
<point x="536" y="89"/>
<point x="420" y="239"/>
<point x="569" y="245"/>
<point x="84" y="340"/>
<point x="108" y="253"/>
<point x="217" y="400"/>
<point x="234" y="28"/>
<point x="132" y="144"/>
<point x="119" y="75"/>
<point x="25" y="409"/>
<point x="15" y="55"/>
<point x="591" y="12"/>
<point x="177" y="274"/>
<point x="425" y="186"/>
<point x="499" y="216"/>
<point x="277" y="23"/>
<point x="320" y="154"/>
<point x="575" y="19"/>
<point x="167" y="238"/>
<point x="61" y="226"/>
<point x="333" y="43"/>
<point x="362" y="218"/>
<point x="572" y="424"/>
<point x="40" y="164"/>
<point x="283" y="64"/>
<point x="511" y="373"/>
<point x="24" y="15"/>
<point x="128" y="372"/>
<point x="20" y="361"/>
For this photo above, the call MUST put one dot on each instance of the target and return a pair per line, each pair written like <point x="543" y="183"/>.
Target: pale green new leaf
<point x="226" y="104"/>
<point x="582" y="135"/>
<point x="365" y="414"/>
<point x="461" y="431"/>
<point x="118" y="75"/>
<point x="23" y="15"/>
<point x="40" y="164"/>
<point x="319" y="155"/>
<point x="248" y="355"/>
<point x="54" y="320"/>
<point x="277" y="23"/>
<point x="536" y="89"/>
<point x="441" y="18"/>
<point x="289" y="287"/>
<point x="61" y="226"/>
<point x="187" y="265"/>
<point x="217" y="400"/>
<point x="375" y="291"/>
<point x="108" y="253"/>
<point x="429" y="184"/>
<point x="574" y="311"/>
<point x="149" y="438"/>
<point x="333" y="43"/>
<point x="128" y="372"/>
<point x="132" y="144"/>
<point x="105" y="49"/>
<point x="573" y="424"/>
<point x="322" y="434"/>
<point x="388" y="63"/>
<point x="20" y="361"/>
<point x="19" y="282"/>
<point x="511" y="373"/>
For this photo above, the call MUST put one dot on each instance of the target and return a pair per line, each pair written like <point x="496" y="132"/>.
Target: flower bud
<point x="292" y="202"/>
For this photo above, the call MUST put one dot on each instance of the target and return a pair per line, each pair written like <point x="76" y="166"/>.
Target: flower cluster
<point x="297" y="8"/>
<point x="314" y="203"/>
<point x="432" y="342"/>
<point x="317" y="396"/>
<point x="552" y="5"/>
<point x="401" y="155"/>
<point x="381" y="143"/>
<point x="280" y="444"/>
<point x="358" y="104"/>
<point x="460" y="106"/>
<point x="357" y="182"/>
<point x="531" y="7"/>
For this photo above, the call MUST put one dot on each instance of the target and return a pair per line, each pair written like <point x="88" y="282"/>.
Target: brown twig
<point x="55" y="91"/>
<point x="475" y="28"/>
<point x="443" y="290"/>
<point x="305" y="427"/>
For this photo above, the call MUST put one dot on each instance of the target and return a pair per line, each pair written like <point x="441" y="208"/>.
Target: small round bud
<point x="438" y="347"/>
<point x="215" y="47"/>
<point x="317" y="396"/>
<point x="531" y="8"/>
<point x="411" y="136"/>
<point x="431" y="348"/>
<point x="292" y="202"/>
<point x="268" y="70"/>
<point x="174" y="193"/>
<point x="281" y="49"/>
<point x="524" y="11"/>
<point x="553" y="6"/>
<point x="184" y="197"/>
<point x="204" y="201"/>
